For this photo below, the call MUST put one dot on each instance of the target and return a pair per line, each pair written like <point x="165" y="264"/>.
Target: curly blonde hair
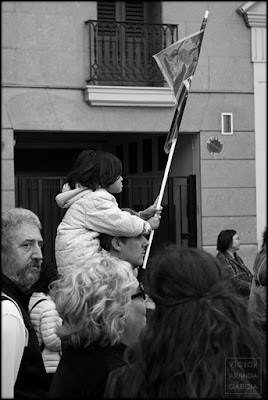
<point x="93" y="301"/>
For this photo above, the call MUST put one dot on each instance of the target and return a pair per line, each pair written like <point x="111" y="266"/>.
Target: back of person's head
<point x="225" y="240"/>
<point x="93" y="301"/>
<point x="198" y="322"/>
<point x="94" y="170"/>
<point x="12" y="220"/>
<point x="179" y="275"/>
<point x="48" y="274"/>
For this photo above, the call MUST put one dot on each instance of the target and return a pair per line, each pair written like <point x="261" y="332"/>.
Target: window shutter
<point x="106" y="14"/>
<point x="134" y="12"/>
<point x="106" y="10"/>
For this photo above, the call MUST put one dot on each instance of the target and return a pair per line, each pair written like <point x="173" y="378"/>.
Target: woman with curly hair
<point x="103" y="310"/>
<point x="199" y="323"/>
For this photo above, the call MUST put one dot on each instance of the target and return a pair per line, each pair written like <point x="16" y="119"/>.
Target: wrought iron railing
<point x="120" y="53"/>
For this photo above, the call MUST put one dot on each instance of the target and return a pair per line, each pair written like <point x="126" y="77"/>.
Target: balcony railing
<point x="121" y="53"/>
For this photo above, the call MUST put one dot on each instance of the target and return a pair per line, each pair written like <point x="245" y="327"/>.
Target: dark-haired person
<point x="199" y="322"/>
<point x="92" y="209"/>
<point x="45" y="318"/>
<point x="228" y="243"/>
<point x="23" y="373"/>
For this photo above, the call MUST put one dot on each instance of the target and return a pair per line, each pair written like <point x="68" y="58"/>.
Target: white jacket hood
<point x="68" y="196"/>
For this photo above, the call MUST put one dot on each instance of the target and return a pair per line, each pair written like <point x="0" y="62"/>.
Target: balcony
<point x="120" y="53"/>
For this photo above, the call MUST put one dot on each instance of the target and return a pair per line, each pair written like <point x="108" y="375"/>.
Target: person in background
<point x="103" y="310"/>
<point x="199" y="322"/>
<point x="228" y="243"/>
<point x="45" y="318"/>
<point x="92" y="209"/>
<point x="258" y="294"/>
<point x="23" y="372"/>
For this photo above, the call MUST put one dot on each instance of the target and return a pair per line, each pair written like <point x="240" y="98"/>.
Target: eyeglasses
<point x="141" y="293"/>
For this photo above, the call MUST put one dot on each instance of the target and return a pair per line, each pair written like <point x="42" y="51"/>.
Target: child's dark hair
<point x="48" y="274"/>
<point x="95" y="169"/>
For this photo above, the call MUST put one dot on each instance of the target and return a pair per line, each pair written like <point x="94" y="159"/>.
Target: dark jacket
<point x="239" y="274"/>
<point x="83" y="372"/>
<point x="32" y="381"/>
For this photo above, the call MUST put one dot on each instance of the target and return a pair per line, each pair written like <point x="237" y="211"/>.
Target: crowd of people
<point x="90" y="327"/>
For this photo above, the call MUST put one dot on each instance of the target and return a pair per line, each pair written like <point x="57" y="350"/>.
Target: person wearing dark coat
<point x="228" y="243"/>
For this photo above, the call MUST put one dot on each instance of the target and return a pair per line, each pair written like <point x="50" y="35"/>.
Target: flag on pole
<point x="175" y="125"/>
<point x="178" y="64"/>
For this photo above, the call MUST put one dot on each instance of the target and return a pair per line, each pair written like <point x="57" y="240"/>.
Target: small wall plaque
<point x="214" y="145"/>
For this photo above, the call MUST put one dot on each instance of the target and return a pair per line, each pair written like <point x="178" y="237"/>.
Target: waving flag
<point x="178" y="64"/>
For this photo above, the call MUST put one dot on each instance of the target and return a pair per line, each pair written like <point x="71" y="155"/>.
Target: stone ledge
<point x="127" y="96"/>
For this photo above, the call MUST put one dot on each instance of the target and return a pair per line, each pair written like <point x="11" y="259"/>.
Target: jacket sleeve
<point x="50" y="319"/>
<point x="13" y="343"/>
<point x="103" y="215"/>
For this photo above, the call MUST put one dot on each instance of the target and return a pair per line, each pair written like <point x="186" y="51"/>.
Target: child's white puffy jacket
<point x="45" y="319"/>
<point x="90" y="213"/>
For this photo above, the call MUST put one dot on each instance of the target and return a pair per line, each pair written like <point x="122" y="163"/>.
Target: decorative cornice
<point x="255" y="20"/>
<point x="251" y="17"/>
<point x="126" y="96"/>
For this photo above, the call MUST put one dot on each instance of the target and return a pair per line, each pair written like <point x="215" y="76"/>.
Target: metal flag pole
<point x="159" y="200"/>
<point x="175" y="125"/>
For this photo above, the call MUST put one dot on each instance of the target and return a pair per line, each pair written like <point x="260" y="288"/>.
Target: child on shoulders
<point x="92" y="209"/>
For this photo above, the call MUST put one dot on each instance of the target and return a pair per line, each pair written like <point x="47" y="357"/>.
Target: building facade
<point x="79" y="75"/>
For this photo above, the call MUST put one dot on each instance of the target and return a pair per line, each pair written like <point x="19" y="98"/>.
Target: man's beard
<point x="23" y="277"/>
